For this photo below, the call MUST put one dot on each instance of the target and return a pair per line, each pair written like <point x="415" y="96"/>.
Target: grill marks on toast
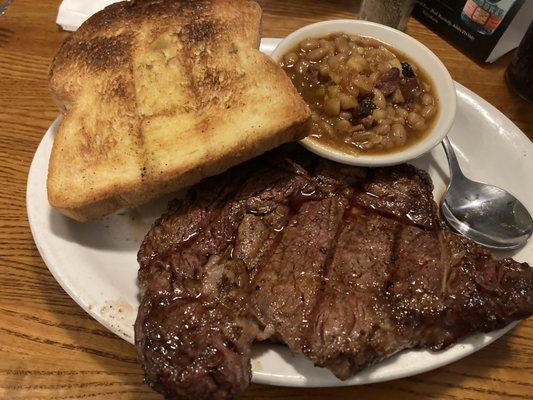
<point x="188" y="47"/>
<point x="194" y="86"/>
<point x="198" y="32"/>
<point x="182" y="87"/>
<point x="102" y="53"/>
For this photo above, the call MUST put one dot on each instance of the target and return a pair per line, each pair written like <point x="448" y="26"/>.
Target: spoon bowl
<point x="485" y="213"/>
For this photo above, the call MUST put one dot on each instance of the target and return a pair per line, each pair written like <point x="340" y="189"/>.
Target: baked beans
<point x="364" y="96"/>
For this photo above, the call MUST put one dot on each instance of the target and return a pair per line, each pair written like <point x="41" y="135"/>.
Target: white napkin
<point x="72" y="13"/>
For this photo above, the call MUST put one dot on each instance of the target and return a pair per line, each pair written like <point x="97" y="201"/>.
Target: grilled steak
<point x="345" y="265"/>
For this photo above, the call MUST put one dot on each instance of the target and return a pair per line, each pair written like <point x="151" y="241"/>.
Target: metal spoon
<point x="484" y="213"/>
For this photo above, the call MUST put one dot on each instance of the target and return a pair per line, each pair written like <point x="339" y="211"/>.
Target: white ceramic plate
<point x="96" y="262"/>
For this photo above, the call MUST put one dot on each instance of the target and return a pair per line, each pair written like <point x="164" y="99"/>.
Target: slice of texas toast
<point x="158" y="94"/>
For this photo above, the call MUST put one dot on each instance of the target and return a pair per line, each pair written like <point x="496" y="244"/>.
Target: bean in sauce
<point x="364" y="95"/>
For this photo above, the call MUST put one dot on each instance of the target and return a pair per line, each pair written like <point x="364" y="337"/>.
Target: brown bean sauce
<point x="365" y="97"/>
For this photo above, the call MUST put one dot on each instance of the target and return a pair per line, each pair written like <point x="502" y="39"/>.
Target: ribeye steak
<point x="345" y="265"/>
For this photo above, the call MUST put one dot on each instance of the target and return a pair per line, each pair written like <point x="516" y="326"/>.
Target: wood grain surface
<point x="51" y="349"/>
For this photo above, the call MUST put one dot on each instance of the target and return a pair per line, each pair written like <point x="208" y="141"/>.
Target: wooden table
<point x="51" y="349"/>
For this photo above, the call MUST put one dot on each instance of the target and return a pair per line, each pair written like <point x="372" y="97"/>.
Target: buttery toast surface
<point x="158" y="94"/>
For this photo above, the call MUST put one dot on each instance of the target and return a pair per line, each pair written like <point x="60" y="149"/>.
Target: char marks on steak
<point x="345" y="265"/>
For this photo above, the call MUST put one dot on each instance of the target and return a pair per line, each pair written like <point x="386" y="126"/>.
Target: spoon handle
<point x="455" y="168"/>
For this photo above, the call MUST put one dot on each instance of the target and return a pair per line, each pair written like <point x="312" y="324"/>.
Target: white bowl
<point x="429" y="62"/>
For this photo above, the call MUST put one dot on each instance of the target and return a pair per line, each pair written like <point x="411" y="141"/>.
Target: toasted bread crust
<point x="158" y="94"/>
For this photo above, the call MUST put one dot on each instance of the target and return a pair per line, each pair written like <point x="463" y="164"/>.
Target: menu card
<point x="485" y="29"/>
